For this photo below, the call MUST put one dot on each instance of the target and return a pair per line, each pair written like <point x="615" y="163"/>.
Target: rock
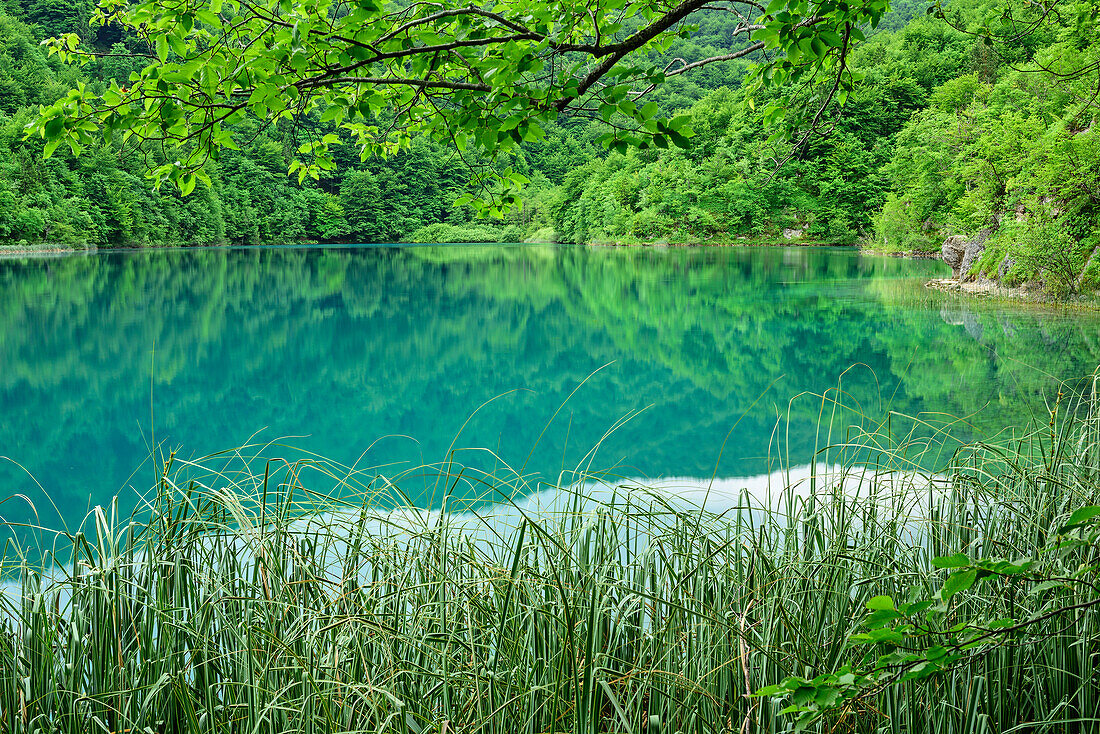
<point x="973" y="327"/>
<point x="952" y="316"/>
<point x="961" y="253"/>
<point x="1003" y="268"/>
<point x="953" y="251"/>
<point x="974" y="249"/>
<point x="792" y="234"/>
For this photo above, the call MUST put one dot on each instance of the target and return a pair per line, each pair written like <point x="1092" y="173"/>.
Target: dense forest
<point x="947" y="134"/>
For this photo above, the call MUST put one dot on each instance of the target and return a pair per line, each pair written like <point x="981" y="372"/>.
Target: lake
<point x="636" y="362"/>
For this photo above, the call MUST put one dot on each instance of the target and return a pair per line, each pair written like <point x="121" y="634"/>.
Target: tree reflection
<point x="104" y="355"/>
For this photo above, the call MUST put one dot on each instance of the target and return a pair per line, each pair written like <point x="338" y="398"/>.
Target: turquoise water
<point x="379" y="356"/>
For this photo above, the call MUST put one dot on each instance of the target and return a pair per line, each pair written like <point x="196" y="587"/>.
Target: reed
<point x="293" y="597"/>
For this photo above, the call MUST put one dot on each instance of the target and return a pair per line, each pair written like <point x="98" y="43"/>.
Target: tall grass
<point x="252" y="601"/>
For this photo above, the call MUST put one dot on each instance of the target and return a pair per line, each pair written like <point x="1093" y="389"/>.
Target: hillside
<point x="957" y="130"/>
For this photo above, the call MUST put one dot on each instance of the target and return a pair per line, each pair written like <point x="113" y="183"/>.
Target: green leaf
<point x="881" y="602"/>
<point x="533" y="132"/>
<point x="50" y="148"/>
<point x="680" y="141"/>
<point x="936" y="652"/>
<point x="910" y="610"/>
<point x="958" y="582"/>
<point x="1046" y="586"/>
<point x="775" y="690"/>
<point x="681" y="121"/>
<point x="959" y="560"/>
<point x="1081" y="517"/>
<point x="53" y="128"/>
<point x="880" y="618"/>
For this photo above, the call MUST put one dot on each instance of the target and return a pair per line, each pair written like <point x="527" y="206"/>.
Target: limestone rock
<point x="961" y="253"/>
<point x="953" y="251"/>
<point x="974" y="249"/>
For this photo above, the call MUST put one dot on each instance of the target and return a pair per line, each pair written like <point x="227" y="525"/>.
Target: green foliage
<point x="1044" y="249"/>
<point x="898" y="230"/>
<point x="472" y="233"/>
<point x="1010" y="147"/>
<point x="486" y="81"/>
<point x="940" y="137"/>
<point x="726" y="186"/>
<point x="988" y="610"/>
<point x="25" y="74"/>
<point x="55" y="19"/>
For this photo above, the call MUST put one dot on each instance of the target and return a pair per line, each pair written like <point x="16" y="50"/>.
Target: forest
<point x="947" y="134"/>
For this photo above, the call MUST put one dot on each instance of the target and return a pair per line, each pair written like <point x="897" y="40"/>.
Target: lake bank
<point x="1028" y="293"/>
<point x="40" y="251"/>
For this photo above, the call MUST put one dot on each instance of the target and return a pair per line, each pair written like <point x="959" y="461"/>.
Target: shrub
<point x="1044" y="247"/>
<point x="471" y="232"/>
<point x="897" y="230"/>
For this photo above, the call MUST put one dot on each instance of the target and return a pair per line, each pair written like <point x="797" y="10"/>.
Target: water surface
<point x="694" y="359"/>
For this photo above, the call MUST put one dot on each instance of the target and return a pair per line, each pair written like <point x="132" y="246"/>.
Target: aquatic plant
<point x="254" y="595"/>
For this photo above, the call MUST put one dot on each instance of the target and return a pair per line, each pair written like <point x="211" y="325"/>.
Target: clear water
<point x="380" y="356"/>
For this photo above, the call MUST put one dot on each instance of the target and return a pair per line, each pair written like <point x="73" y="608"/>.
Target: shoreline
<point x="981" y="288"/>
<point x="720" y="243"/>
<point x="20" y="252"/>
<point x="907" y="254"/>
<point x="1021" y="294"/>
<point x="986" y="288"/>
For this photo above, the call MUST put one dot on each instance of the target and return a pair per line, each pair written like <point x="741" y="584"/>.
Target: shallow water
<point x="694" y="362"/>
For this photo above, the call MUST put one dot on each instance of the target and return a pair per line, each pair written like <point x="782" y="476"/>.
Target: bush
<point x="465" y="233"/>
<point x="897" y="230"/>
<point x="543" y="234"/>
<point x="1044" y="247"/>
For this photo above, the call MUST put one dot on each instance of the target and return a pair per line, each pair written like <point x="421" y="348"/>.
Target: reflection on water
<point x="642" y="510"/>
<point x="743" y="503"/>
<point x="379" y="357"/>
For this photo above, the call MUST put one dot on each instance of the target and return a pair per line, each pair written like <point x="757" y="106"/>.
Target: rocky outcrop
<point x="961" y="253"/>
<point x="953" y="252"/>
